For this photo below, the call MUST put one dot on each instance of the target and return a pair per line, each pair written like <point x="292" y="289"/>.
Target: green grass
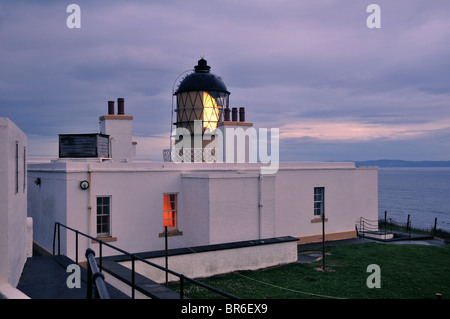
<point x="407" y="272"/>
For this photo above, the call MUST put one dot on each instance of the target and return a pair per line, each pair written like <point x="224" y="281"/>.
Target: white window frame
<point x="176" y="210"/>
<point x="319" y="201"/>
<point x="97" y="215"/>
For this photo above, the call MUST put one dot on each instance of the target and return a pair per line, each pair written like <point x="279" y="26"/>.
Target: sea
<point x="423" y="193"/>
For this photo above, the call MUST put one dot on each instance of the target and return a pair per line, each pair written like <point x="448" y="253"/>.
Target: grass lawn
<point x="407" y="271"/>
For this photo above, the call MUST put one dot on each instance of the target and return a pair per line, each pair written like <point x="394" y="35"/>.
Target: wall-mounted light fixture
<point x="37" y="181"/>
<point x="84" y="184"/>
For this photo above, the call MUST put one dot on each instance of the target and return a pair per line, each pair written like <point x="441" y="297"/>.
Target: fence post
<point x="132" y="277"/>
<point x="182" y="287"/>
<point x="167" y="261"/>
<point x="59" y="239"/>
<point x="76" y="247"/>
<point x="100" y="252"/>
<point x="89" y="277"/>
<point x="360" y="225"/>
<point x="323" y="240"/>
<point x="54" y="238"/>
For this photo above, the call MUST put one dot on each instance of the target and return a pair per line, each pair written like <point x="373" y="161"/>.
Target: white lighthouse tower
<point x="202" y="117"/>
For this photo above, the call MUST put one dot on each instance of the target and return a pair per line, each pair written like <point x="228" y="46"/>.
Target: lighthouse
<point x="202" y="112"/>
<point x="201" y="96"/>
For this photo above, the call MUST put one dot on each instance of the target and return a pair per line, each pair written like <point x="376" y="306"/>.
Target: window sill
<point x="318" y="220"/>
<point x="171" y="233"/>
<point x="104" y="239"/>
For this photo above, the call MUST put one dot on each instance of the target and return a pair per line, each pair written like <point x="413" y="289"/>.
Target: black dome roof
<point x="202" y="80"/>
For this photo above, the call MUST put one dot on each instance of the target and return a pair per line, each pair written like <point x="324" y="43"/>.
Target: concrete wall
<point x="13" y="203"/>
<point x="220" y="261"/>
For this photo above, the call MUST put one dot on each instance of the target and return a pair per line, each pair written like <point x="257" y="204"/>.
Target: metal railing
<point x="95" y="278"/>
<point x="133" y="257"/>
<point x="383" y="226"/>
<point x="367" y="225"/>
<point x="190" y="155"/>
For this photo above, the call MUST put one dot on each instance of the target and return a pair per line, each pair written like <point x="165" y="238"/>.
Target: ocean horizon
<point x="421" y="192"/>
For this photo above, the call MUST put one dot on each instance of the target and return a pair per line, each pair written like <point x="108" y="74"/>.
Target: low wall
<point x="205" y="261"/>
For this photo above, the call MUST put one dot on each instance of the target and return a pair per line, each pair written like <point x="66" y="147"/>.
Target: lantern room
<point x="201" y="96"/>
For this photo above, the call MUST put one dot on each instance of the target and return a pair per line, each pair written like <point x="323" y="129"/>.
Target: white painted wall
<point x="194" y="212"/>
<point x="217" y="203"/>
<point x="349" y="194"/>
<point x="120" y="129"/>
<point x="205" y="264"/>
<point x="13" y="203"/>
<point x="47" y="202"/>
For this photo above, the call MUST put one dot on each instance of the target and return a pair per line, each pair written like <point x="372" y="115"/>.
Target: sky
<point x="335" y="88"/>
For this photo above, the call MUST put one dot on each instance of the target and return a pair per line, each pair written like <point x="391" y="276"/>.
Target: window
<point x="170" y="211"/>
<point x="319" y="201"/>
<point x="103" y="216"/>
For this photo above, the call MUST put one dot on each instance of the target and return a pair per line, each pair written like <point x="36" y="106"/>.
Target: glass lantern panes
<point x="200" y="105"/>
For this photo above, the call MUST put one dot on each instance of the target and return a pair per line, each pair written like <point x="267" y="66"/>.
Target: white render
<point x="14" y="237"/>
<point x="218" y="202"/>
<point x="119" y="128"/>
<point x="210" y="263"/>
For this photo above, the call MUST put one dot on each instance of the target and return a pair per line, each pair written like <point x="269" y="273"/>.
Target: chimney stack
<point x="110" y="107"/>
<point x="120" y="106"/>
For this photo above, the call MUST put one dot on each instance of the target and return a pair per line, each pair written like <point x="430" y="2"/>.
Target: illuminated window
<point x="104" y="216"/>
<point x="170" y="211"/>
<point x="210" y="112"/>
<point x="319" y="201"/>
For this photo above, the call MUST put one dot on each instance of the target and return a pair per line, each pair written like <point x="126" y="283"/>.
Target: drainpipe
<point x="260" y="205"/>
<point x="89" y="202"/>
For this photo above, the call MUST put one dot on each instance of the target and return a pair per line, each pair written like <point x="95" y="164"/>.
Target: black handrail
<point x="367" y="225"/>
<point x="133" y="257"/>
<point x="95" y="277"/>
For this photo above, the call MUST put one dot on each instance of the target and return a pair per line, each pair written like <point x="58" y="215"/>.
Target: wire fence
<point x="389" y="225"/>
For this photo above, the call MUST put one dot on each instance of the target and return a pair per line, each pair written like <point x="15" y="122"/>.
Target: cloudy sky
<point x="336" y="89"/>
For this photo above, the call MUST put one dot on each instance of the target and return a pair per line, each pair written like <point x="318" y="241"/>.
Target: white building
<point x="98" y="187"/>
<point x="15" y="228"/>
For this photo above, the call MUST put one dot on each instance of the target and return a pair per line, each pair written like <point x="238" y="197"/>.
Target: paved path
<point x="45" y="277"/>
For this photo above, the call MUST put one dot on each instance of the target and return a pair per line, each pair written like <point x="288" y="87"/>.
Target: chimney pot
<point x="242" y="114"/>
<point x="120" y="106"/>
<point x="234" y="114"/>
<point x="110" y="107"/>
<point x="227" y="114"/>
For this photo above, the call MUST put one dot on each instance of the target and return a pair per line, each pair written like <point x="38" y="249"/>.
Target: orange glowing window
<point x="170" y="210"/>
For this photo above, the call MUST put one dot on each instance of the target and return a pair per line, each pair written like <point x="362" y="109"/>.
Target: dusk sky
<point x="335" y="88"/>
